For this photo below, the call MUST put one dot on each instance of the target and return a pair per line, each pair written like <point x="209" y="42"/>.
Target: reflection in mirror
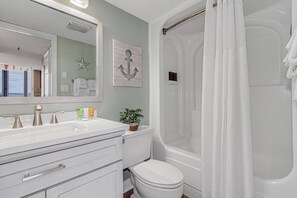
<point x="45" y="52"/>
<point x="23" y="66"/>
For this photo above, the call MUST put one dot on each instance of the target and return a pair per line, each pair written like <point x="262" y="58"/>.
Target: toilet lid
<point x="158" y="173"/>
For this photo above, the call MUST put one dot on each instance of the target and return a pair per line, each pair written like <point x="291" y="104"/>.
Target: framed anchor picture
<point x="127" y="65"/>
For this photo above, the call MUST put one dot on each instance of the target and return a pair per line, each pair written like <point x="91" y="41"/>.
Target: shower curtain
<point x="226" y="127"/>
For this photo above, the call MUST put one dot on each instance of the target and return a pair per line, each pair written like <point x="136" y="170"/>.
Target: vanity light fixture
<point x="81" y="3"/>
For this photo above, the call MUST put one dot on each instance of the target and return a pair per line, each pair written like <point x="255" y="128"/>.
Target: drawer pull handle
<point x="28" y="177"/>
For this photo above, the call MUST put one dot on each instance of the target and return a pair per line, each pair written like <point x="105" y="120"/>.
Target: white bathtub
<point x="190" y="165"/>
<point x="187" y="162"/>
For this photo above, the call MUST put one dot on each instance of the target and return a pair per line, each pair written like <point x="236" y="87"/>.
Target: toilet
<point x="150" y="178"/>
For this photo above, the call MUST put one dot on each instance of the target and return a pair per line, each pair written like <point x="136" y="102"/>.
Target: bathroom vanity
<point x="71" y="159"/>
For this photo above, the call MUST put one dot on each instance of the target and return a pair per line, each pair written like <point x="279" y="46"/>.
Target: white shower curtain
<point x="226" y="129"/>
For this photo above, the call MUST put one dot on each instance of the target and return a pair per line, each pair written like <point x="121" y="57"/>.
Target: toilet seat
<point x="158" y="174"/>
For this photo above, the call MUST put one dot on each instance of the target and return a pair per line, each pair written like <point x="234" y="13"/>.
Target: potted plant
<point x="131" y="117"/>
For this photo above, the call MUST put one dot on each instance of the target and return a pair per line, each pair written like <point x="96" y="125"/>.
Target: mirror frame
<point x="99" y="62"/>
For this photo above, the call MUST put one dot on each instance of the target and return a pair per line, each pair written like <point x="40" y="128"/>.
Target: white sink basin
<point x="35" y="137"/>
<point x="30" y="135"/>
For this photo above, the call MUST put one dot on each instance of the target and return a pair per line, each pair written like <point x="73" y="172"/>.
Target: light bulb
<point x="80" y="3"/>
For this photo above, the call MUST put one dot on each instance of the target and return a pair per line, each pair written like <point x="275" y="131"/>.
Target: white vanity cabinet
<point x="37" y="195"/>
<point x="89" y="168"/>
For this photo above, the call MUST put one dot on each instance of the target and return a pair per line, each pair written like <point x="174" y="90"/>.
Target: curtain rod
<point x="165" y="30"/>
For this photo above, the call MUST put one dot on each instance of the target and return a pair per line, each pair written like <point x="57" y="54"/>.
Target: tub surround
<point x="176" y="107"/>
<point x="266" y="25"/>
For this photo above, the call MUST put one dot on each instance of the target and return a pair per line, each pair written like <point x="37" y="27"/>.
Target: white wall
<point x="23" y="59"/>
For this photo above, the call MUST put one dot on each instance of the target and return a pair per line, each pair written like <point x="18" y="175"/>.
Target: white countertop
<point x="29" y="138"/>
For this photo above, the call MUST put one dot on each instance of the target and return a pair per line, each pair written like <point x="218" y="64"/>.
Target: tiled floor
<point x="128" y="194"/>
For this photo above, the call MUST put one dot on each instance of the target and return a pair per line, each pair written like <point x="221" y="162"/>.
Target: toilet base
<point x="153" y="192"/>
<point x="141" y="188"/>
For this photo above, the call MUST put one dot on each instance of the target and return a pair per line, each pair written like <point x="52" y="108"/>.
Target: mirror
<point x="48" y="53"/>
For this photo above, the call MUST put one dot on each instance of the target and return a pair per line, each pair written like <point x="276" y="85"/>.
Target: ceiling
<point x="11" y="41"/>
<point x="38" y="17"/>
<point x="147" y="10"/>
<point x="151" y="10"/>
<point x="20" y="23"/>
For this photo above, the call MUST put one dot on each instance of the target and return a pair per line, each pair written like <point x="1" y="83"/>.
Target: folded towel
<point x="291" y="58"/>
<point x="81" y="83"/>
<point x="91" y="84"/>
<point x="80" y="87"/>
<point x="80" y="91"/>
<point x="92" y="92"/>
<point x="92" y="87"/>
<point x="291" y="62"/>
<point x="292" y="71"/>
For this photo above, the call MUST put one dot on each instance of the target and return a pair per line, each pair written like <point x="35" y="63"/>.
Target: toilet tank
<point x="137" y="146"/>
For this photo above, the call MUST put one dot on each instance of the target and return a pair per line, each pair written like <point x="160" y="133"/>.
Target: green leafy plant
<point x="129" y="116"/>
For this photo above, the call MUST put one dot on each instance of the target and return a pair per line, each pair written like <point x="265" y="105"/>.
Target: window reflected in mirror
<point x="16" y="83"/>
<point x="23" y="65"/>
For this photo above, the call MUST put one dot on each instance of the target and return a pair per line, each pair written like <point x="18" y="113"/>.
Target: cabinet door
<point x="105" y="182"/>
<point x="37" y="195"/>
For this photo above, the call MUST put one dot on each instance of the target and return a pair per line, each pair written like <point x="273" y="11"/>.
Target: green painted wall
<point x="126" y="28"/>
<point x="70" y="51"/>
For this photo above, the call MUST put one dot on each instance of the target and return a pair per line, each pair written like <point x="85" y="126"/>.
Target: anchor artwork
<point x="127" y="67"/>
<point x="128" y="75"/>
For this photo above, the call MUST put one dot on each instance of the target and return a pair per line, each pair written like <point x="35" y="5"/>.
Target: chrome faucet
<point x="54" y="119"/>
<point x="37" y="116"/>
<point x="17" y="120"/>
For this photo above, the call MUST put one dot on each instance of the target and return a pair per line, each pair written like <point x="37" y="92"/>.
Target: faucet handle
<point x="54" y="119"/>
<point x="17" y="120"/>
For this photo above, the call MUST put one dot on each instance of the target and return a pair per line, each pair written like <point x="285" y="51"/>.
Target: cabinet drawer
<point x="39" y="172"/>
<point x="105" y="182"/>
